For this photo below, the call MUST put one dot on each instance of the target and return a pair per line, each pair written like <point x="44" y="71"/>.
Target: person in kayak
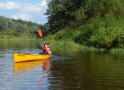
<point x="46" y="48"/>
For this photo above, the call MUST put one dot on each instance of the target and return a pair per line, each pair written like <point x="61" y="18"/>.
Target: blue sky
<point x="28" y="10"/>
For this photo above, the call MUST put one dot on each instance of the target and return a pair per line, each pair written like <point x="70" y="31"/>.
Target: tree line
<point x="97" y="23"/>
<point x="17" y="27"/>
<point x="73" y="13"/>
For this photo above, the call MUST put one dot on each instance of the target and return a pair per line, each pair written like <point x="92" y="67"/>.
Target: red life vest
<point x="45" y="49"/>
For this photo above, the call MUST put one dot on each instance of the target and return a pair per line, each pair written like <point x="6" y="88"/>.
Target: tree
<point x="62" y="13"/>
<point x="3" y="23"/>
<point x="103" y="7"/>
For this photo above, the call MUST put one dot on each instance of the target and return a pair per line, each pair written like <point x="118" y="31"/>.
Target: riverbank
<point x="73" y="45"/>
<point x="58" y="44"/>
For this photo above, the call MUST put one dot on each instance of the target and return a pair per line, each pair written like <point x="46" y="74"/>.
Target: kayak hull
<point x="19" y="57"/>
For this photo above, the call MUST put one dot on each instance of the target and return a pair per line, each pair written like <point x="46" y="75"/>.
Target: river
<point x="68" y="69"/>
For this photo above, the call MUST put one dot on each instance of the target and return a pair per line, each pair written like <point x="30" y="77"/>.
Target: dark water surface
<point x="67" y="70"/>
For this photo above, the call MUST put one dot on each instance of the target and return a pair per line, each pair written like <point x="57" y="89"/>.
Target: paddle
<point x="41" y="35"/>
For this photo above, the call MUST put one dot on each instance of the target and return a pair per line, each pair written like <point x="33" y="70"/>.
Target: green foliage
<point x="18" y="28"/>
<point x="93" y="23"/>
<point x="65" y="13"/>
<point x="3" y="23"/>
<point x="80" y="17"/>
<point x="73" y="13"/>
<point x="65" y="34"/>
<point x="84" y="35"/>
<point x="102" y="33"/>
<point x="103" y="7"/>
<point x="117" y="51"/>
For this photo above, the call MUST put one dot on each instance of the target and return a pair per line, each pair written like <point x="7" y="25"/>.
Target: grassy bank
<point x="10" y="37"/>
<point x="16" y="35"/>
<point x="72" y="45"/>
<point x="99" y="34"/>
<point x="69" y="44"/>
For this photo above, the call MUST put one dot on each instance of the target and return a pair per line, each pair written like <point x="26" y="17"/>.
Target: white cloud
<point x="27" y="7"/>
<point x="22" y="16"/>
<point x="31" y="8"/>
<point x="9" y="5"/>
<point x="43" y="3"/>
<point x="25" y="11"/>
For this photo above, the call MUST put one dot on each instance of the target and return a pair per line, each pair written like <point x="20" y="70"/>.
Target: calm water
<point x="67" y="70"/>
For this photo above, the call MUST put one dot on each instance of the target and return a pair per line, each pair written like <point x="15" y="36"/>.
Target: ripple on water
<point x="57" y="57"/>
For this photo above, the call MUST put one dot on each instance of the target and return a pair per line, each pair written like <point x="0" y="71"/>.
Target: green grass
<point x="10" y="37"/>
<point x="69" y="44"/>
<point x="117" y="51"/>
<point x="98" y="34"/>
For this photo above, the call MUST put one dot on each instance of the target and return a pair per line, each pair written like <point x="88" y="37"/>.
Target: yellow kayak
<point x="19" y="57"/>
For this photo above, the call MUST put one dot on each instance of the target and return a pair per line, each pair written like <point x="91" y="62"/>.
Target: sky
<point x="27" y="10"/>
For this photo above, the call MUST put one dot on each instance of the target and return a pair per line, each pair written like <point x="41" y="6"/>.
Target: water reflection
<point x="27" y="66"/>
<point x="24" y="71"/>
<point x="18" y="44"/>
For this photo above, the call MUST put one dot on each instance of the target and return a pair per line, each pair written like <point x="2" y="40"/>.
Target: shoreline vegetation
<point x="97" y="35"/>
<point x="100" y="34"/>
<point x="94" y="24"/>
<point x="66" y="44"/>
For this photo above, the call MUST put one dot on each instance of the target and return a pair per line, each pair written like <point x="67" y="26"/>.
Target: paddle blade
<point x="40" y="33"/>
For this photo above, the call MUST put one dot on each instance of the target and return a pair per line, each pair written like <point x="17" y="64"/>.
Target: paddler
<point x="46" y="48"/>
